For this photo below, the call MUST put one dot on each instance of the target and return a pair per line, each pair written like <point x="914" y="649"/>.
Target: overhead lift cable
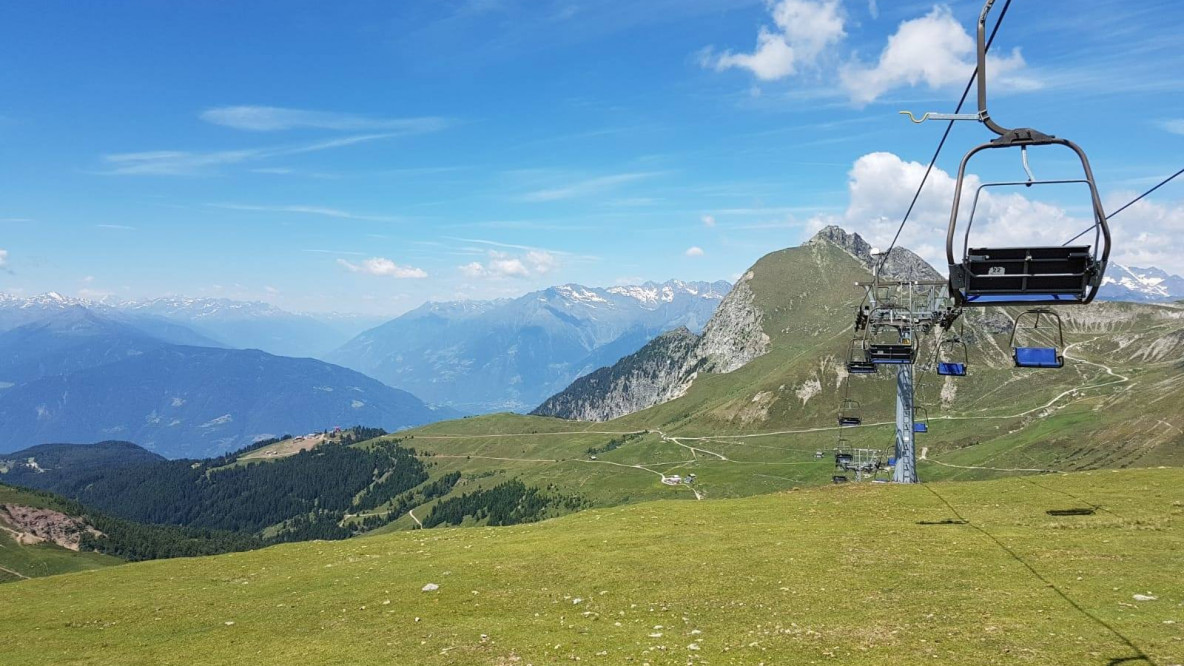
<point x="941" y="144"/>
<point x="1130" y="203"/>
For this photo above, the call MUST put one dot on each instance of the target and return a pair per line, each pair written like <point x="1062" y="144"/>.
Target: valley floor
<point x="965" y="573"/>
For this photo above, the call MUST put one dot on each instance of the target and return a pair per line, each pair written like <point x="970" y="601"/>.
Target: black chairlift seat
<point x="1027" y="275"/>
<point x="849" y="414"/>
<point x="857" y="359"/>
<point x="891" y="354"/>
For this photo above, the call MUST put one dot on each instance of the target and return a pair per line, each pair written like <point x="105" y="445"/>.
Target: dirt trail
<point x="15" y="573"/>
<point x="411" y="512"/>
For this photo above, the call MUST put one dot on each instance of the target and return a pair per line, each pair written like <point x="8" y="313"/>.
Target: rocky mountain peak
<point x="902" y="263"/>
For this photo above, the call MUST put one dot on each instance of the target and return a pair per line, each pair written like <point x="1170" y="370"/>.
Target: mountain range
<point x="510" y="354"/>
<point x="76" y="375"/>
<point x="214" y="322"/>
<point x="1140" y="285"/>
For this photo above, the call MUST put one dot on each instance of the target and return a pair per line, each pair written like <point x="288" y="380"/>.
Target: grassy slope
<point x="990" y="424"/>
<point x="29" y="561"/>
<point x="842" y="574"/>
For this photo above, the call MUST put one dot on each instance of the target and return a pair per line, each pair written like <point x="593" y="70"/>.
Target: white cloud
<point x="881" y="185"/>
<point x="3" y="259"/>
<point x="383" y="267"/>
<point x="804" y="29"/>
<point x="532" y="263"/>
<point x="307" y="210"/>
<point x="934" y="50"/>
<point x="1175" y="125"/>
<point x="272" y="118"/>
<point x="586" y="187"/>
<point x="694" y="251"/>
<point x="709" y="220"/>
<point x="116" y="227"/>
<point x="185" y="163"/>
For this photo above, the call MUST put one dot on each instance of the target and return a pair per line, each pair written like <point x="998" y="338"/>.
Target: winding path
<point x="15" y="573"/>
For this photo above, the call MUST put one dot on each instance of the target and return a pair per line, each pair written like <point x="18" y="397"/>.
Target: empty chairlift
<point x="857" y="359"/>
<point x="1027" y="272"/>
<point x="849" y="414"/>
<point x="920" y="420"/>
<point x="952" y="358"/>
<point x="1033" y="355"/>
<point x="892" y="353"/>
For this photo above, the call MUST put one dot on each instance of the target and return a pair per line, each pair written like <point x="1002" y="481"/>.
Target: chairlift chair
<point x="1025" y="274"/>
<point x="857" y="359"/>
<point x="959" y="355"/>
<point x="1038" y="357"/>
<point x="920" y="420"/>
<point x="849" y="413"/>
<point x="899" y="353"/>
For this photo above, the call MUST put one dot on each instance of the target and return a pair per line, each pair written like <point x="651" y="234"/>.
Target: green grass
<point x="842" y="574"/>
<point x="19" y="561"/>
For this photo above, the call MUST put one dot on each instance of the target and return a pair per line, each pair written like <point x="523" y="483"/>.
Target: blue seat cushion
<point x="1022" y="298"/>
<point x="951" y="369"/>
<point x="920" y="427"/>
<point x="1037" y="357"/>
<point x="892" y="361"/>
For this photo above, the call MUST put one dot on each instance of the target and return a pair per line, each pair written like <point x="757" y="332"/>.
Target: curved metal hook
<point x="940" y="116"/>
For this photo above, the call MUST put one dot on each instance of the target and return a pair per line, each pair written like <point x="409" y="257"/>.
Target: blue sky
<point x="368" y="156"/>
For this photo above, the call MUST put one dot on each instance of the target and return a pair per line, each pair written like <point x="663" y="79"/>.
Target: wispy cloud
<point x="4" y="261"/>
<point x="694" y="251"/>
<point x="116" y="227"/>
<point x="587" y="187"/>
<point x="306" y="210"/>
<point x="383" y="267"/>
<point x="274" y="118"/>
<point x="1175" y="126"/>
<point x="16" y="220"/>
<point x="338" y="252"/>
<point x="186" y="163"/>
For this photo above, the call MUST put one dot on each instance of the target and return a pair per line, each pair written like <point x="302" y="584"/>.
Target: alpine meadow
<point x="703" y="332"/>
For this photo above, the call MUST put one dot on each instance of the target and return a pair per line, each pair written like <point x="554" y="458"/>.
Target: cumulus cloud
<point x="803" y="30"/>
<point x="383" y="267"/>
<point x="881" y="185"/>
<point x="709" y="220"/>
<point x="499" y="264"/>
<point x="274" y="118"/>
<point x="934" y="50"/>
<point x="694" y="251"/>
<point x="4" y="260"/>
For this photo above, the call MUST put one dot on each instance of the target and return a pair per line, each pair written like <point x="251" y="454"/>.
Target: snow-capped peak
<point x="1131" y="283"/>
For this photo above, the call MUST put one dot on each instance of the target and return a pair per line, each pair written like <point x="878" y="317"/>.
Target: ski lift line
<point x="941" y="144"/>
<point x="1130" y="203"/>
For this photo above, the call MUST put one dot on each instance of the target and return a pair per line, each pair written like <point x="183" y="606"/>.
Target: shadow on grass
<point x="1139" y="655"/>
